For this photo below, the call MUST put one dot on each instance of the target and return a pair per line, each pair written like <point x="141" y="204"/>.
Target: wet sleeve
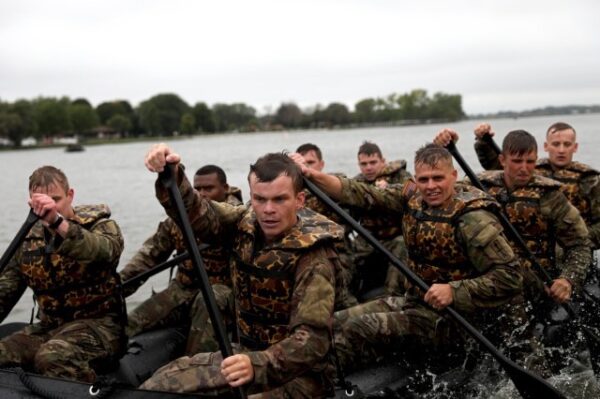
<point x="12" y="286"/>
<point x="370" y="197"/>
<point x="210" y="220"/>
<point x="156" y="249"/>
<point x="571" y="234"/>
<point x="310" y="325"/>
<point x="102" y="243"/>
<point x="490" y="254"/>
<point x="591" y="189"/>
<point x="488" y="157"/>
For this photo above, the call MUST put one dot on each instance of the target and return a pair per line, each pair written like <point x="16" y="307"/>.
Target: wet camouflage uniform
<point x="460" y="243"/>
<point x="284" y="298"/>
<point x="77" y="289"/>
<point x="181" y="302"/>
<point x="543" y="216"/>
<point x="385" y="228"/>
<point x="580" y="184"/>
<point x="343" y="294"/>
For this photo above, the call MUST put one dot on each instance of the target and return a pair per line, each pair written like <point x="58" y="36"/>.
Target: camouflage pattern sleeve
<point x="103" y="242"/>
<point x="370" y="197"/>
<point x="310" y="325"/>
<point x="156" y="249"/>
<point x="488" y="158"/>
<point x="210" y="220"/>
<point x="591" y="189"/>
<point x="571" y="234"/>
<point x="12" y="286"/>
<point x="490" y="253"/>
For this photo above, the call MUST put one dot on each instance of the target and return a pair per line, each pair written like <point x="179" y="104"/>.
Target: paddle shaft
<point x="168" y="179"/>
<point x="16" y="242"/>
<point x="529" y="385"/>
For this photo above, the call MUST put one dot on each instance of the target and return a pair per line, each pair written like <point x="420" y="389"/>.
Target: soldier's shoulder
<point x="494" y="177"/>
<point x="583" y="168"/>
<point x="85" y="214"/>
<point x="234" y="196"/>
<point x="311" y="228"/>
<point x="545" y="182"/>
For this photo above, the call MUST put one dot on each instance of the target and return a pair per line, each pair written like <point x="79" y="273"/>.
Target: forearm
<point x="12" y="287"/>
<point x="576" y="265"/>
<point x="488" y="158"/>
<point x="370" y="197"/>
<point x="329" y="184"/>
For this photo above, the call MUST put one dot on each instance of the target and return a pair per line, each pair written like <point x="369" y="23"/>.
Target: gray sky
<point x="499" y="54"/>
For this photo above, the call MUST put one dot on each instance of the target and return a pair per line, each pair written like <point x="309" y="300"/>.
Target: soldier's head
<point x="211" y="182"/>
<point x="560" y="144"/>
<point x="53" y="182"/>
<point x="312" y="156"/>
<point x="275" y="193"/>
<point x="518" y="158"/>
<point x="435" y="174"/>
<point x="370" y="160"/>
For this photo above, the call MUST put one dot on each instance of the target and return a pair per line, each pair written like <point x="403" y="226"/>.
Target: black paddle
<point x="18" y="240"/>
<point x="168" y="180"/>
<point x="529" y="385"/>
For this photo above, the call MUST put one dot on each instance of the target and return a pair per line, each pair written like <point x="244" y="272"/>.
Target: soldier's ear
<point x="300" y="197"/>
<point x="501" y="159"/>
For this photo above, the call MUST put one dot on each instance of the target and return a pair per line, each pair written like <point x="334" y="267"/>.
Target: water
<point x="114" y="173"/>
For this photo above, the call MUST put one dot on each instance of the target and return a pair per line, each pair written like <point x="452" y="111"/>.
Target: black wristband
<point x="54" y="225"/>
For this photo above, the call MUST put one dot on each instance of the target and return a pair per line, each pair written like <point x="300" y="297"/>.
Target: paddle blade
<point x="532" y="386"/>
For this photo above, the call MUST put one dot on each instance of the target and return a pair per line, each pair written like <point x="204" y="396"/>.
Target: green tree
<point x="446" y="106"/>
<point x="120" y="123"/>
<point x="81" y="101"/>
<point x="205" y="118"/>
<point x="83" y="117"/>
<point x="107" y="110"/>
<point x="365" y="111"/>
<point x="11" y="125"/>
<point x="337" y="114"/>
<point x="51" y="116"/>
<point x="289" y="115"/>
<point x="414" y="105"/>
<point x="237" y="116"/>
<point x="162" y="113"/>
<point x="188" y="123"/>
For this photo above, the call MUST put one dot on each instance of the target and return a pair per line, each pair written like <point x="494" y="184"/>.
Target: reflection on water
<point x="115" y="175"/>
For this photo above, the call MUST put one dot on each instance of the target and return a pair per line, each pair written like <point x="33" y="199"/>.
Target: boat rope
<point x="28" y="382"/>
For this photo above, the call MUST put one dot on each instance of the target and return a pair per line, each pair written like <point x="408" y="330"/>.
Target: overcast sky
<point x="499" y="55"/>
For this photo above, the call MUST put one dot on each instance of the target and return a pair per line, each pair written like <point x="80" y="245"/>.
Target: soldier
<point x="283" y="278"/>
<point x="580" y="182"/>
<point x="375" y="171"/>
<point x="181" y="302"/>
<point x="313" y="158"/>
<point x="455" y="244"/>
<point x="69" y="260"/>
<point x="543" y="216"/>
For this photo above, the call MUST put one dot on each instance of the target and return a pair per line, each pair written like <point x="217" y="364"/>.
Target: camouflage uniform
<point x="343" y="295"/>
<point x="284" y="298"/>
<point x="580" y="184"/>
<point x="77" y="289"/>
<point x="460" y="244"/>
<point x="543" y="217"/>
<point x="177" y="303"/>
<point x="384" y="227"/>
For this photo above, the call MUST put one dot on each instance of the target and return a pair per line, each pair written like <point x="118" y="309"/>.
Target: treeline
<point x="46" y="119"/>
<point x="545" y="111"/>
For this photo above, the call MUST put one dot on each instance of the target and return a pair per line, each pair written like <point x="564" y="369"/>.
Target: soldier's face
<point x="312" y="160"/>
<point x="275" y="204"/>
<point x="370" y="165"/>
<point x="518" y="169"/>
<point x="210" y="187"/>
<point x="435" y="183"/>
<point x="62" y="198"/>
<point x="560" y="146"/>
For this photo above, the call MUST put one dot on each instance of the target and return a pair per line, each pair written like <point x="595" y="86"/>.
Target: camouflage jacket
<point x="581" y="185"/>
<point x="542" y="215"/>
<point x="73" y="277"/>
<point x="381" y="224"/>
<point x="496" y="278"/>
<point x="168" y="238"/>
<point x="305" y="348"/>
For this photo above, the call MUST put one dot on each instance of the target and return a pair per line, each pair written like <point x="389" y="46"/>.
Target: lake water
<point x="115" y="174"/>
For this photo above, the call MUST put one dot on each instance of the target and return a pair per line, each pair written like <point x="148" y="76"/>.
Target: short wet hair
<point x="210" y="169"/>
<point x="306" y="147"/>
<point x="270" y="166"/>
<point x="432" y="154"/>
<point x="46" y="176"/>
<point x="559" y="127"/>
<point x="519" y="142"/>
<point x="369" y="148"/>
